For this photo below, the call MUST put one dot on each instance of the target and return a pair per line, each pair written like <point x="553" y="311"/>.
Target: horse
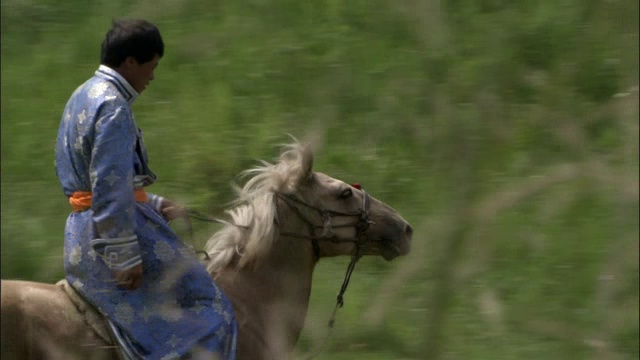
<point x="285" y="218"/>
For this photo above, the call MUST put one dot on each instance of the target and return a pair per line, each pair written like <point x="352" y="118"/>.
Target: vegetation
<point x="506" y="132"/>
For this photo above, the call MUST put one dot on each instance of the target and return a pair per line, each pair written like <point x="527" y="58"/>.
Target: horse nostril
<point x="408" y="230"/>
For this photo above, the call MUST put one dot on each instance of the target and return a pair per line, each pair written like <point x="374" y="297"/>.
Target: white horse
<point x="285" y="219"/>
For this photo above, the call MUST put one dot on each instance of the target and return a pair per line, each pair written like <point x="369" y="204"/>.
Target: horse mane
<point x="251" y="232"/>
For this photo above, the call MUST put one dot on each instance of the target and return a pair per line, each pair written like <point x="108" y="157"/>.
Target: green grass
<point x="507" y="128"/>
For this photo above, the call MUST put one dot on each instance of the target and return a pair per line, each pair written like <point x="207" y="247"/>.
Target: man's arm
<point x="113" y="202"/>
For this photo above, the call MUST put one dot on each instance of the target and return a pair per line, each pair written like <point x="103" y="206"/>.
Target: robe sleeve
<point x="113" y="202"/>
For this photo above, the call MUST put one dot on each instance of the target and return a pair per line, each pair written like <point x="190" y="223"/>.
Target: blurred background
<point x="506" y="132"/>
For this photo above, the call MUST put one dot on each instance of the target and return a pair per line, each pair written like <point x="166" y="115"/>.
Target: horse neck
<point x="271" y="299"/>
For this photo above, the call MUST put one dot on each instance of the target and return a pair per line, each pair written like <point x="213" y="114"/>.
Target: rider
<point x="120" y="253"/>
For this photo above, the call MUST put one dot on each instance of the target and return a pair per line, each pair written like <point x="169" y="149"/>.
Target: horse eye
<point x="346" y="193"/>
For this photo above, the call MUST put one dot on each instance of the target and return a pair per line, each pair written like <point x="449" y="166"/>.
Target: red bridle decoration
<point x="357" y="186"/>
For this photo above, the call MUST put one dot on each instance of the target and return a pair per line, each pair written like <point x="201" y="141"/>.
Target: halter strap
<point x="326" y="215"/>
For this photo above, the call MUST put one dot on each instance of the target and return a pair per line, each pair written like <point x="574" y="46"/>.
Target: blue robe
<point x="178" y="306"/>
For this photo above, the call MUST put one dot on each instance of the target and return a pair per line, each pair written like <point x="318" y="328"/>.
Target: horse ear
<point x="307" y="163"/>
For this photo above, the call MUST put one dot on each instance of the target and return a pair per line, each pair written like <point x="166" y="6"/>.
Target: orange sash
<point x="81" y="200"/>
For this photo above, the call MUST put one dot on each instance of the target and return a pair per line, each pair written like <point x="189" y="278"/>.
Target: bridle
<point x="361" y="225"/>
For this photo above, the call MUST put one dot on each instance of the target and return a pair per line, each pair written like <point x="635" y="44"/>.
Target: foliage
<point x="505" y="132"/>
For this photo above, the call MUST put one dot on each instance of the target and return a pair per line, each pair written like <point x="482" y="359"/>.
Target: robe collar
<point x="123" y="86"/>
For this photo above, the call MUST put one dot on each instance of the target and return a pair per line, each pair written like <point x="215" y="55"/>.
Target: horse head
<point x="287" y="199"/>
<point x="340" y="218"/>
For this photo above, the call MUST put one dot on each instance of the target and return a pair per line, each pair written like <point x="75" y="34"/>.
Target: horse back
<point x="39" y="321"/>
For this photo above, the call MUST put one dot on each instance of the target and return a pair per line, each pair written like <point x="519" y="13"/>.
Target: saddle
<point x="91" y="315"/>
<point x="95" y="319"/>
<point x="98" y="322"/>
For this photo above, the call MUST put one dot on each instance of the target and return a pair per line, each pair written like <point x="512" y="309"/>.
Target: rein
<point x="194" y="214"/>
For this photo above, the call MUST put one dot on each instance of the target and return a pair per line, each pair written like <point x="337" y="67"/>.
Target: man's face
<point x="139" y="75"/>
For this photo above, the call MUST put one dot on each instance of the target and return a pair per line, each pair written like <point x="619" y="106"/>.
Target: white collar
<point x="123" y="85"/>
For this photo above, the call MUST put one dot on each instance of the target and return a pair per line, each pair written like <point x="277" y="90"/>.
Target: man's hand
<point x="130" y="279"/>
<point x="172" y="210"/>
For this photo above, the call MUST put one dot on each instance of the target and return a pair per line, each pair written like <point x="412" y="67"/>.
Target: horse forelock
<point x="255" y="211"/>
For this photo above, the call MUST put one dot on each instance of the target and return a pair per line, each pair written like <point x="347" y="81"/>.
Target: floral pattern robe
<point x="178" y="306"/>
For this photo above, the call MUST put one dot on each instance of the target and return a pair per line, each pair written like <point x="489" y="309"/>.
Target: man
<point x="120" y="252"/>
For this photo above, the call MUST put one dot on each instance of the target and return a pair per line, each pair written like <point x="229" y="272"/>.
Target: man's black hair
<point x="137" y="38"/>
